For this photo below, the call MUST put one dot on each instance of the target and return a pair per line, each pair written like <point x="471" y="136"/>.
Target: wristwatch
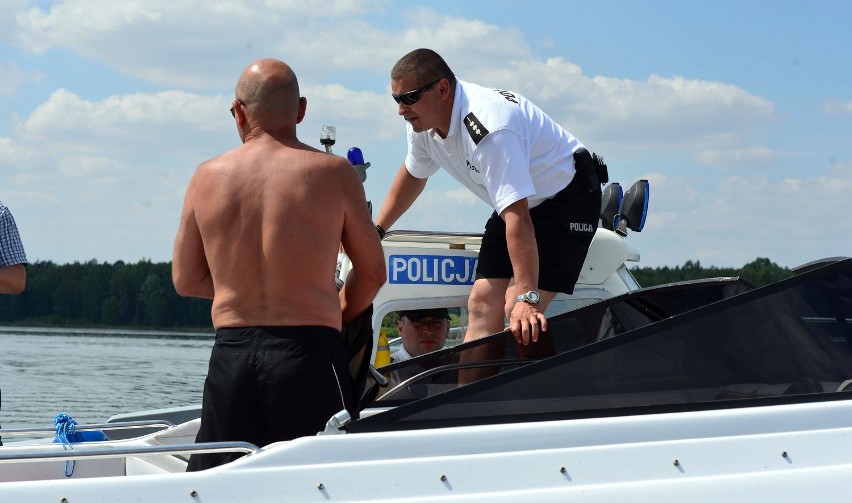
<point x="531" y="297"/>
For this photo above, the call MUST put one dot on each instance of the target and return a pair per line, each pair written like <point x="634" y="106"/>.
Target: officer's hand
<point x="526" y="323"/>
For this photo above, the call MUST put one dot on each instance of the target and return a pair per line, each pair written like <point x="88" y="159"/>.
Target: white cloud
<point x="736" y="219"/>
<point x="360" y="116"/>
<point x="14" y="77"/>
<point x="460" y="41"/>
<point x="206" y="45"/>
<point x="110" y="173"/>
<point x="736" y="158"/>
<point x="9" y="151"/>
<point x="132" y="127"/>
<point x="837" y="107"/>
<point x="66" y="112"/>
<point x="659" y="111"/>
<point x="9" y="10"/>
<point x="89" y="166"/>
<point x="462" y="197"/>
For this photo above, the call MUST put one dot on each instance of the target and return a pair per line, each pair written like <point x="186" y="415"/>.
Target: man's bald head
<point x="270" y="91"/>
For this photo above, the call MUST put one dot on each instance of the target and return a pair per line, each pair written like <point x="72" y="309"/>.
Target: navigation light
<point x="635" y="205"/>
<point x="611" y="206"/>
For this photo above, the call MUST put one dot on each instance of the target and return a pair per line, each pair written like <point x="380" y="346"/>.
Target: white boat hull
<point x="796" y="452"/>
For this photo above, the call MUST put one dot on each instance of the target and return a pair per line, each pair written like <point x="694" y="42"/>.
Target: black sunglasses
<point x="412" y="97"/>
<point x="233" y="114"/>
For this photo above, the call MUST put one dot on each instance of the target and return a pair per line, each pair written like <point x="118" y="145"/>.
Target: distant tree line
<point x="103" y="294"/>
<point x="760" y="272"/>
<point x="142" y="295"/>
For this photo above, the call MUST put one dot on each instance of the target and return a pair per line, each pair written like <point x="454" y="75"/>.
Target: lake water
<point x="91" y="374"/>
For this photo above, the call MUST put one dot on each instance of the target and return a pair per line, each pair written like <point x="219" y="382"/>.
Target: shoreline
<point x="105" y="332"/>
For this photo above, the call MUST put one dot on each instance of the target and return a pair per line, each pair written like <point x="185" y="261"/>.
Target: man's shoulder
<point x="261" y="161"/>
<point x="305" y="154"/>
<point x="218" y="161"/>
<point x="479" y="97"/>
<point x="487" y="110"/>
<point x="326" y="167"/>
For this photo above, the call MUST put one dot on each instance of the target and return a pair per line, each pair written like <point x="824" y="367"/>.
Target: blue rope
<point x="65" y="426"/>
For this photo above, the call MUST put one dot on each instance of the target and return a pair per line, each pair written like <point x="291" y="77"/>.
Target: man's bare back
<point x="259" y="234"/>
<point x="262" y="223"/>
<point x="272" y="218"/>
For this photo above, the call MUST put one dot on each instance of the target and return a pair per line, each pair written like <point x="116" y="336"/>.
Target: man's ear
<point x="303" y="105"/>
<point x="444" y="88"/>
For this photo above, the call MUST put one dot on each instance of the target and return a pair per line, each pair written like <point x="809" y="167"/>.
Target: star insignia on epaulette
<point x="475" y="128"/>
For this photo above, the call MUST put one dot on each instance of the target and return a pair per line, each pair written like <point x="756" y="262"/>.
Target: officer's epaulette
<point x="475" y="128"/>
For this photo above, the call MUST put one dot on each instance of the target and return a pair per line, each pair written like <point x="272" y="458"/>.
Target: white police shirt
<point x="500" y="146"/>
<point x="400" y="355"/>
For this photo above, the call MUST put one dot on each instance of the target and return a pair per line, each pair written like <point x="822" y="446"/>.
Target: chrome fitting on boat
<point x="335" y="425"/>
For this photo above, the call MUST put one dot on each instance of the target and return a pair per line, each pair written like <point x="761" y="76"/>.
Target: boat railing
<point x="98" y="450"/>
<point x="107" y="449"/>
<point x="153" y="423"/>
<point x="450" y="367"/>
<point x="433" y="239"/>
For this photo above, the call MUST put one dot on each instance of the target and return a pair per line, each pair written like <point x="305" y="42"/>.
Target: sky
<point x="739" y="114"/>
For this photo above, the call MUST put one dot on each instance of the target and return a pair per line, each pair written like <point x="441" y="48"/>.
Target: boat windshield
<point x="647" y="349"/>
<point x="439" y="371"/>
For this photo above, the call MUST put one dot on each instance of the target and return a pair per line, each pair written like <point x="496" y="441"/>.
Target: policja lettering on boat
<point x="431" y="269"/>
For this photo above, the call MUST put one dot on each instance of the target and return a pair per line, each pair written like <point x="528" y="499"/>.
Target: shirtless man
<point x="260" y="231"/>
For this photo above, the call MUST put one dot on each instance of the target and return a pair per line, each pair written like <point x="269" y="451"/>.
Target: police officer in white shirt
<point x="541" y="181"/>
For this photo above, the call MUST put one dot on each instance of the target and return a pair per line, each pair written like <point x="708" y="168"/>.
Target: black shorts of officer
<point x="564" y="227"/>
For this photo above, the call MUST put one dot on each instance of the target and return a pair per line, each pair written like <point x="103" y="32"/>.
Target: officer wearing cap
<point x="422" y="331"/>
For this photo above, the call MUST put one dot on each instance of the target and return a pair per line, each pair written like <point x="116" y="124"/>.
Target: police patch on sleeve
<point x="475" y="128"/>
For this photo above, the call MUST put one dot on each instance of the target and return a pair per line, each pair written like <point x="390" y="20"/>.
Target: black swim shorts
<point x="564" y="227"/>
<point x="267" y="384"/>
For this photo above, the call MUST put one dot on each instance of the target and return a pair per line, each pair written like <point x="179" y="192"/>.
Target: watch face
<point x="531" y="297"/>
